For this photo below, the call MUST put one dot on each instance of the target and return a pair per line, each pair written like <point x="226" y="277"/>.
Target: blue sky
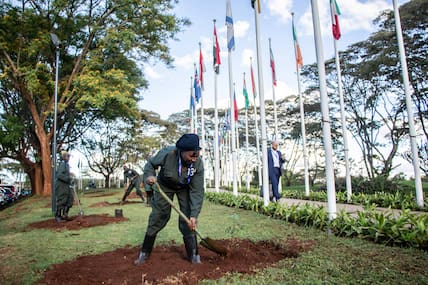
<point x="169" y="89"/>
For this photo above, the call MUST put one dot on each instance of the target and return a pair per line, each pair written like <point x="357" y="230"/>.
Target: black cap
<point x="188" y="142"/>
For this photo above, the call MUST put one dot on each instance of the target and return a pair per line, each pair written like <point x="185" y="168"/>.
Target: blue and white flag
<point x="197" y="86"/>
<point x="229" y="24"/>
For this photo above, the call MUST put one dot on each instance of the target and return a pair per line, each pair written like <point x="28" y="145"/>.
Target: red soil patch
<point x="78" y="222"/>
<point x="167" y="263"/>
<point x="99" y="194"/>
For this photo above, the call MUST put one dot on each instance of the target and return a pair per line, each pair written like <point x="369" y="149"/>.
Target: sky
<point x="169" y="89"/>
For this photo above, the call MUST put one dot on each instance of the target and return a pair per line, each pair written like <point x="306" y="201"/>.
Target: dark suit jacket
<point x="270" y="162"/>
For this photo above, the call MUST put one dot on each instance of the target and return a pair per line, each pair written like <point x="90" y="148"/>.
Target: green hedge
<point x="406" y="230"/>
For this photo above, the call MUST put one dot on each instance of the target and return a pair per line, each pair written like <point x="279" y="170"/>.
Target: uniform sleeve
<point x="197" y="191"/>
<point x="152" y="165"/>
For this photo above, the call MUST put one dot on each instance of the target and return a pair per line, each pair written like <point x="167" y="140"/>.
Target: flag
<point x="235" y="107"/>
<point x="253" y="83"/>
<point x="226" y="124"/>
<point x="197" y="86"/>
<point x="335" y="12"/>
<point x="272" y="65"/>
<point x="201" y="68"/>
<point x="299" y="60"/>
<point x="244" y="91"/>
<point x="229" y="24"/>
<point x="258" y="4"/>
<point x="216" y="53"/>
<point x="192" y="109"/>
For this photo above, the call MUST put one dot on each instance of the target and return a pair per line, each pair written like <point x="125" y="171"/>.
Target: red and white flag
<point x="335" y="12"/>
<point x="272" y="65"/>
<point x="253" y="82"/>
<point x="201" y="68"/>
<point x="216" y="53"/>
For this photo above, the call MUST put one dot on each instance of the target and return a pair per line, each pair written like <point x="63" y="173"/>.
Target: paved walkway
<point x="350" y="208"/>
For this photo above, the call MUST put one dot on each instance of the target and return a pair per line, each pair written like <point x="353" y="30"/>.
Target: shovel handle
<point x="172" y="204"/>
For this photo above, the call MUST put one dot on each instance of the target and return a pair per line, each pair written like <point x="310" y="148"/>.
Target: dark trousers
<point x="134" y="184"/>
<point x="274" y="179"/>
<point x="161" y="212"/>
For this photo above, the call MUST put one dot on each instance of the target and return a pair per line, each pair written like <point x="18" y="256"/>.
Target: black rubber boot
<point x="58" y="216"/>
<point x="65" y="214"/>
<point x="191" y="244"/>
<point x="146" y="249"/>
<point x="124" y="197"/>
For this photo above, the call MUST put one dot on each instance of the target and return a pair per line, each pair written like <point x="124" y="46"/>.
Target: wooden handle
<point x="172" y="203"/>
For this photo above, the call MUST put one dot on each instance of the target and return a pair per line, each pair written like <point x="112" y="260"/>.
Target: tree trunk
<point x="46" y="167"/>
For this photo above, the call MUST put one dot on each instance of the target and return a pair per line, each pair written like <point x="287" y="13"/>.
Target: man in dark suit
<point x="275" y="161"/>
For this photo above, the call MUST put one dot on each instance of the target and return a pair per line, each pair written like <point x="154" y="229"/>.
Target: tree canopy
<point x="103" y="46"/>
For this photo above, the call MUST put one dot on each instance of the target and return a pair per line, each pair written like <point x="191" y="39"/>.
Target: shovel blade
<point x="214" y="246"/>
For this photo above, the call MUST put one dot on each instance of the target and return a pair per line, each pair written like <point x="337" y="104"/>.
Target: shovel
<point x="206" y="242"/>
<point x="78" y="201"/>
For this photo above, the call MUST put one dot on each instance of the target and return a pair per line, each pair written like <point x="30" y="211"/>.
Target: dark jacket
<point x="270" y="162"/>
<point x="166" y="161"/>
<point x="130" y="174"/>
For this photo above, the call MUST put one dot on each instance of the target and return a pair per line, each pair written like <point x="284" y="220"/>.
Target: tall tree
<point x="101" y="42"/>
<point x="374" y="92"/>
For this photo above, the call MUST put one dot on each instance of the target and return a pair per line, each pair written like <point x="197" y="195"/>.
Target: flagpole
<point x="275" y="116"/>
<point x="262" y="111"/>
<point x="231" y="46"/>
<point x="335" y="12"/>
<point x="192" y="127"/>
<point x="344" y="128"/>
<point x="238" y="164"/>
<point x="302" y="111"/>
<point x="256" y="123"/>
<point x="331" y="191"/>
<point x="273" y="92"/>
<point x="247" y="169"/>
<point x="216" y="133"/>
<point x="412" y="131"/>
<point x="202" y="114"/>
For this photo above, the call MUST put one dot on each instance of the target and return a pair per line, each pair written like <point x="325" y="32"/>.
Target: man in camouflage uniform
<point x="181" y="173"/>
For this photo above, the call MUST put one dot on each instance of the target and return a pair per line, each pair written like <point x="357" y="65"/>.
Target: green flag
<point x="244" y="91"/>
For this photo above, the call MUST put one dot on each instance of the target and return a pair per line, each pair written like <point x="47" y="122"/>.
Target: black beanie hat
<point x="188" y="142"/>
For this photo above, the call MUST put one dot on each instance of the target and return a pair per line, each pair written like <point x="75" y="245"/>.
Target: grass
<point x="25" y="253"/>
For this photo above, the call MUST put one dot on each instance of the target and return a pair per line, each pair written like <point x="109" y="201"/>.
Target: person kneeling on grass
<point x="181" y="173"/>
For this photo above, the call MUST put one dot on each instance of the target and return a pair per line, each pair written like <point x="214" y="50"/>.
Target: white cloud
<point x="280" y="8"/>
<point x="151" y="73"/>
<point x="246" y="55"/>
<point x="355" y="15"/>
<point x="185" y="61"/>
<point x="241" y="28"/>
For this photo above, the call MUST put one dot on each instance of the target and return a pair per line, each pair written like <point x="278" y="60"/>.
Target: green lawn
<point x="25" y="253"/>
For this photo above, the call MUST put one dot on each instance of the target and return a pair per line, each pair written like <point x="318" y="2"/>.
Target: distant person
<point x="63" y="191"/>
<point x="275" y="161"/>
<point x="181" y="173"/>
<point x="133" y="179"/>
